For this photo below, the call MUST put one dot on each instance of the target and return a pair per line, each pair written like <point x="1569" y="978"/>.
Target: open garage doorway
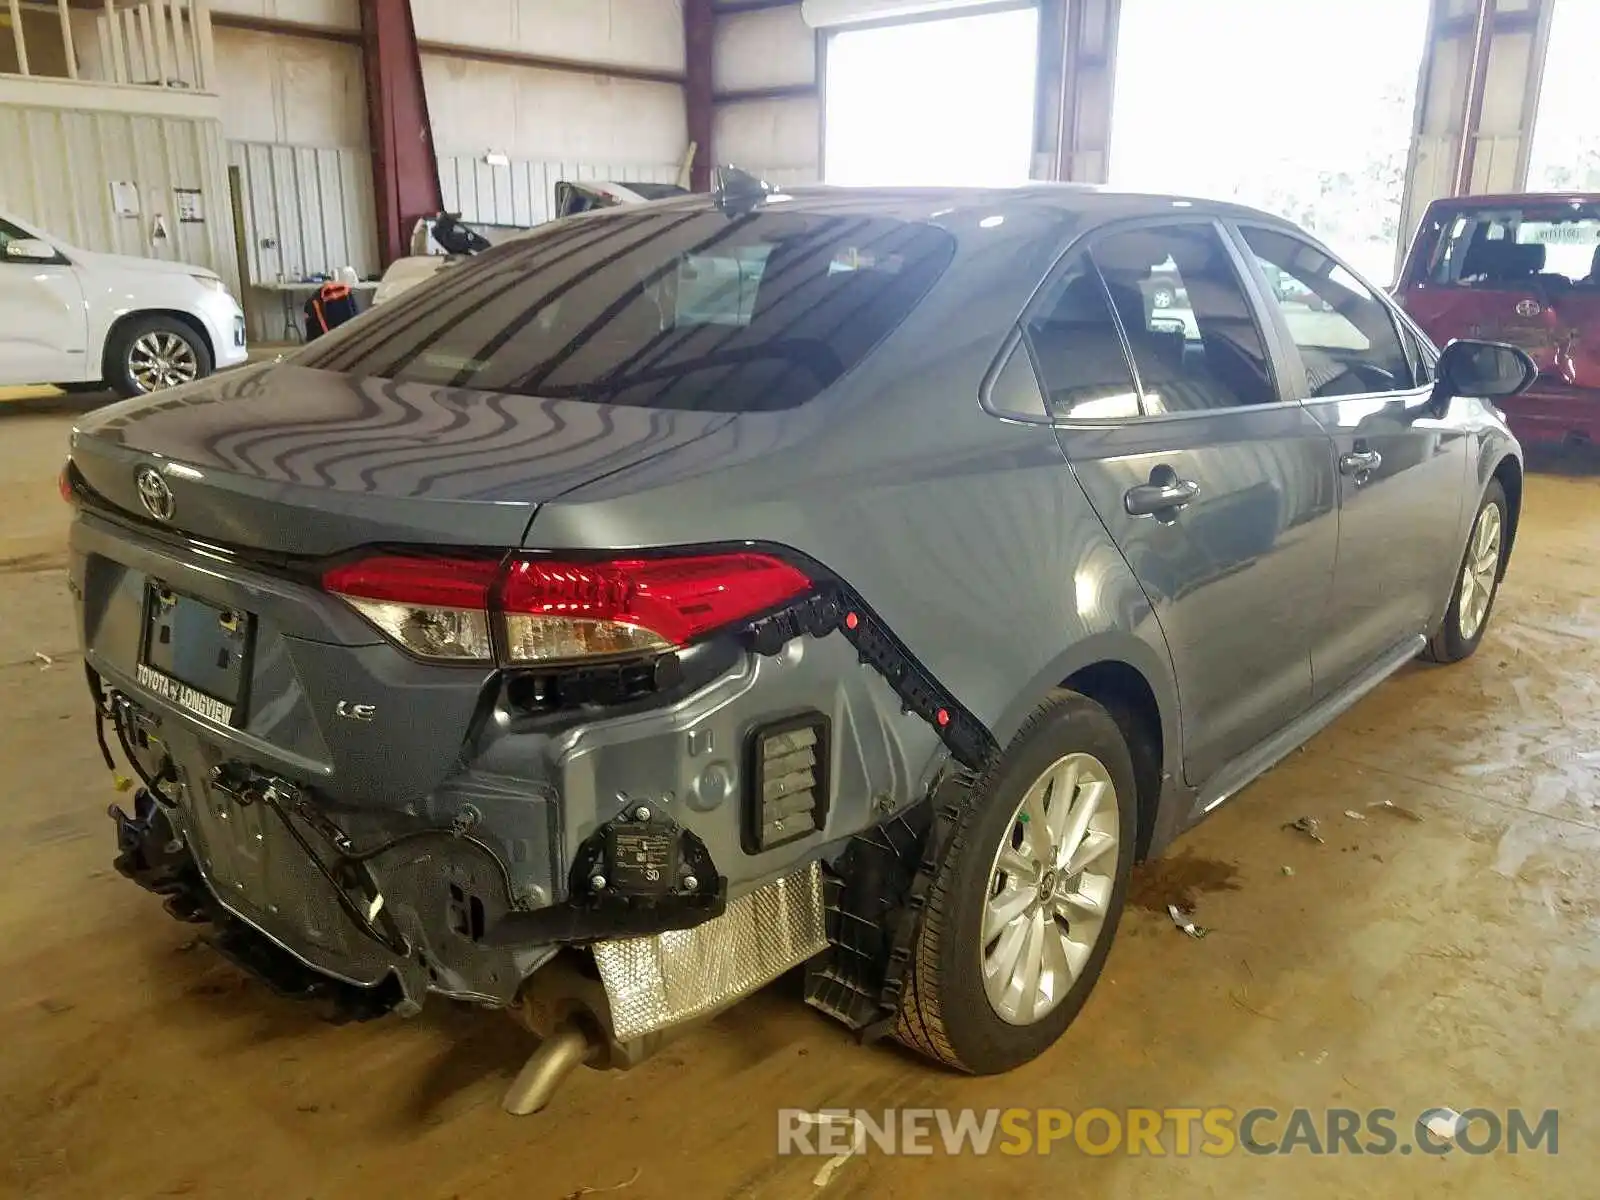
<point x="1303" y="108"/>
<point x="1565" y="154"/>
<point x="945" y="100"/>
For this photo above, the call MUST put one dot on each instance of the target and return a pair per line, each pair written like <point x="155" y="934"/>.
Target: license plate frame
<point x="210" y="679"/>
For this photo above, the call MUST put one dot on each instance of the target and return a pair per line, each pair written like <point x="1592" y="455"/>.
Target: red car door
<point x="1523" y="270"/>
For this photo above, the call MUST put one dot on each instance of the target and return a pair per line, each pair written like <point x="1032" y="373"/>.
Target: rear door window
<point x="1077" y="350"/>
<point x="669" y="309"/>
<point x="1204" y="350"/>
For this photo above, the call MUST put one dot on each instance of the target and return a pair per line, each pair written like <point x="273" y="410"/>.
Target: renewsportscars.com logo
<point x="1167" y="1132"/>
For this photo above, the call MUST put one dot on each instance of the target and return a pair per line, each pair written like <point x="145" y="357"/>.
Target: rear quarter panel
<point x="967" y="534"/>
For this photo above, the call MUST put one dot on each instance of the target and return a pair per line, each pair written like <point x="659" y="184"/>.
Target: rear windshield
<point x="1548" y="245"/>
<point x="668" y="309"/>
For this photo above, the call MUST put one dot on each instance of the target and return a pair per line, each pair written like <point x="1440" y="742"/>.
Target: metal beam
<point x="405" y="170"/>
<point x="782" y="91"/>
<point x="508" y="58"/>
<point x="699" y="23"/>
<point x="1472" y="114"/>
<point x="729" y="7"/>
<point x="1076" y="78"/>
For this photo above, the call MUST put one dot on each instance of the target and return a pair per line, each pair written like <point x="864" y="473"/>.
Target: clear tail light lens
<point x="437" y="608"/>
<point x="552" y="611"/>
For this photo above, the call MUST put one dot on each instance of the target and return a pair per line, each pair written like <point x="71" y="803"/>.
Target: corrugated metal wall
<point x="524" y="192"/>
<point x="69" y="158"/>
<point x="308" y="211"/>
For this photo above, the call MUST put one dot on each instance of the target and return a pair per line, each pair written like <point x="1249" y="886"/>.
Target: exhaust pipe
<point x="558" y="1056"/>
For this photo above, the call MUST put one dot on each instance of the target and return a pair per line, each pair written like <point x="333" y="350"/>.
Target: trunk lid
<point x="296" y="461"/>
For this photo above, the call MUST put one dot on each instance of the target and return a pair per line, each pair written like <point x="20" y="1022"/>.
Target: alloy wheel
<point x="1480" y="572"/>
<point x="160" y="359"/>
<point x="1050" y="888"/>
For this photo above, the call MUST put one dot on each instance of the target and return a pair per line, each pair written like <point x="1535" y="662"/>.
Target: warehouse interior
<point x="1403" y="915"/>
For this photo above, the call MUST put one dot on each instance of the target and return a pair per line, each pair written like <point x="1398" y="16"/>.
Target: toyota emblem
<point x="154" y="493"/>
<point x="1527" y="308"/>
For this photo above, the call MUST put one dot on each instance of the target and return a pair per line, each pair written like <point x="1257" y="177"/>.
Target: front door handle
<point x="1360" y="462"/>
<point x="1165" y="493"/>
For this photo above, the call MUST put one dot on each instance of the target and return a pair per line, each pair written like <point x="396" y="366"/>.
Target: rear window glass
<point x="674" y="309"/>
<point x="1519" y="247"/>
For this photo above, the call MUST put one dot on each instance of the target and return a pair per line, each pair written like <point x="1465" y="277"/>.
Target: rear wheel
<point x="1163" y="296"/>
<point x="1022" y="912"/>
<point x="151" y="354"/>
<point x="1477" y="582"/>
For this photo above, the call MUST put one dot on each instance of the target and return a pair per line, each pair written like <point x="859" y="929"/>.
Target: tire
<point x="1163" y="297"/>
<point x="149" y="354"/>
<point x="947" y="1012"/>
<point x="1482" y="564"/>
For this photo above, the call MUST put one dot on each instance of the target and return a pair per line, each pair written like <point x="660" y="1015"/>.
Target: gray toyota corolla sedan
<point x="682" y="594"/>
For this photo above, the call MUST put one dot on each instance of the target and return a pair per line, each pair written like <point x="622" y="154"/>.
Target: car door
<point x="42" y="325"/>
<point x="1402" y="469"/>
<point x="1220" y="495"/>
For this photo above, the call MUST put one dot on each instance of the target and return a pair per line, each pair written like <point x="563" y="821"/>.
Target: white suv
<point x="74" y="317"/>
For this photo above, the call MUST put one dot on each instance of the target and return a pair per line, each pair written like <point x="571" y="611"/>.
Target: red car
<point x="1523" y="269"/>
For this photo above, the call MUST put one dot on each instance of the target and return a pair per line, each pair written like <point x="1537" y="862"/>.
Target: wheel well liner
<point x="1125" y="693"/>
<point x="187" y="320"/>
<point x="1509" y="472"/>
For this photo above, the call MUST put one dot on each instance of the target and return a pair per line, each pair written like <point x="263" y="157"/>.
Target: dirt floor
<point x="1441" y="952"/>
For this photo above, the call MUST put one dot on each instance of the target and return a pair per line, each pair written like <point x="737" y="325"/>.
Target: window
<point x="10" y="233"/>
<point x="1420" y="355"/>
<point x="1077" y="350"/>
<point x="1346" y="336"/>
<point x="1553" y="246"/>
<point x="672" y="310"/>
<point x="1203" y="350"/>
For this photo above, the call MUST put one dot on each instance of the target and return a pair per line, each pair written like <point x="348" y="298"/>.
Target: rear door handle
<point x="1157" y="497"/>
<point x="1360" y="462"/>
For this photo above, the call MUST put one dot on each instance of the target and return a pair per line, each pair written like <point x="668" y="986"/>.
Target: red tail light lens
<point x="64" y="483"/>
<point x="556" y="611"/>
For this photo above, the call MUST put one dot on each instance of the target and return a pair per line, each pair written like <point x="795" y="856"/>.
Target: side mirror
<point x="1487" y="370"/>
<point x="31" y="250"/>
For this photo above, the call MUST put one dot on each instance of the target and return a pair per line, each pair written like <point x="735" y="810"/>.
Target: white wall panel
<point x="295" y="90"/>
<point x="334" y="14"/>
<point x="632" y="33"/>
<point x="762" y="49"/>
<point x="313" y="204"/>
<point x="537" y="115"/>
<point x="73" y="157"/>
<point x="777" y="139"/>
<point x="524" y="192"/>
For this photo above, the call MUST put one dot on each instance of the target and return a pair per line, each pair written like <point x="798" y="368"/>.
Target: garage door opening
<point x="946" y="101"/>
<point x="1304" y="110"/>
<point x="1566" y="135"/>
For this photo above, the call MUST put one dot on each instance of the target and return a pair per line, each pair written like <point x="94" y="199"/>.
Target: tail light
<point x="547" y="611"/>
<point x="436" y="608"/>
<point x="64" y="483"/>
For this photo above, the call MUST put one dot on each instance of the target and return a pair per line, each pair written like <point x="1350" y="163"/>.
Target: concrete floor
<point x="1452" y="960"/>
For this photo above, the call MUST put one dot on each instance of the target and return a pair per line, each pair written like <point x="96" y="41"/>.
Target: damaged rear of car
<point x="503" y="645"/>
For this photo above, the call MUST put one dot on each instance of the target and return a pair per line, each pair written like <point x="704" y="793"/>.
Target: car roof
<point x="936" y="204"/>
<point x="1514" y="199"/>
